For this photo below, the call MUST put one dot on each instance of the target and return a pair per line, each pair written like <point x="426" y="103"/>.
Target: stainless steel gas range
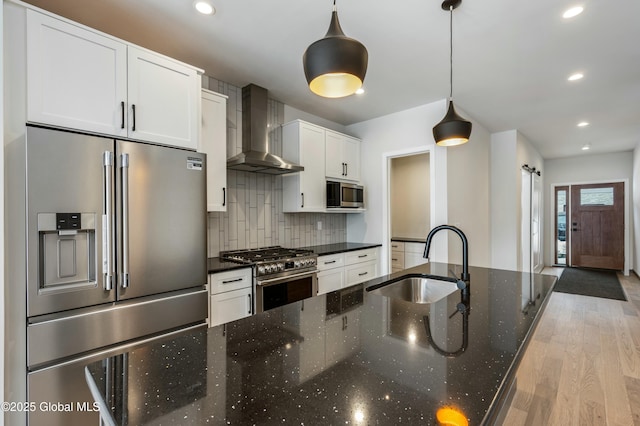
<point x="281" y="275"/>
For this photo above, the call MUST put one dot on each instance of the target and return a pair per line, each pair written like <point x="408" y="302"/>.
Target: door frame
<point x="627" y="215"/>
<point x="437" y="199"/>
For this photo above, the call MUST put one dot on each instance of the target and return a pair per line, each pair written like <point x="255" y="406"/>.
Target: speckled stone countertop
<point x="327" y="249"/>
<point x="410" y="240"/>
<point x="216" y="264"/>
<point x="348" y="357"/>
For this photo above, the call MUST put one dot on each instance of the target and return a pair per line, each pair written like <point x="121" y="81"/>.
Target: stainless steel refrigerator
<point x="115" y="255"/>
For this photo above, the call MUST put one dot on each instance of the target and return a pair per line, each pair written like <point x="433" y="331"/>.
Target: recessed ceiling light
<point x="576" y="76"/>
<point x="360" y="91"/>
<point x="583" y="124"/>
<point x="574" y="11"/>
<point x="204" y="7"/>
<point x="586" y="147"/>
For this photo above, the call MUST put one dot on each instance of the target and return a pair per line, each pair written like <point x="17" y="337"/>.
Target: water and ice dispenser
<point x="67" y="250"/>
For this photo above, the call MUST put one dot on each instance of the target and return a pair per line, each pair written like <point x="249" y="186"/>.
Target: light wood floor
<point x="582" y="366"/>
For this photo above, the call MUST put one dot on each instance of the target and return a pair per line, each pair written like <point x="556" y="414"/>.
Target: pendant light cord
<point x="450" y="52"/>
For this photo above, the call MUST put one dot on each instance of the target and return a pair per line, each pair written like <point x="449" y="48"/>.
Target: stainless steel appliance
<point x="281" y="275"/>
<point x="344" y="195"/>
<point x="255" y="156"/>
<point x="115" y="254"/>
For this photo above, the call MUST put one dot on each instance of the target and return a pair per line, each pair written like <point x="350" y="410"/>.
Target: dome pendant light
<point x="335" y="65"/>
<point x="453" y="129"/>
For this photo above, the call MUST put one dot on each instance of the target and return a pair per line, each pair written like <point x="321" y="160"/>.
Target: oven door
<point x="272" y="293"/>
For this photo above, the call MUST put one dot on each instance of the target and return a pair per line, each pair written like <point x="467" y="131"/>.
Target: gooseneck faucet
<point x="465" y="248"/>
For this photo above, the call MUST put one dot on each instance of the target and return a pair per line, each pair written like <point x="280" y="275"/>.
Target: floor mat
<point x="590" y="282"/>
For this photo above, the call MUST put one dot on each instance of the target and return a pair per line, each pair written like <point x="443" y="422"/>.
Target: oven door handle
<point x="274" y="281"/>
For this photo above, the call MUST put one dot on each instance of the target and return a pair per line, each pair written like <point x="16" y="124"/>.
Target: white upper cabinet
<point x="82" y="79"/>
<point x="163" y="99"/>
<point x="305" y="191"/>
<point x="213" y="142"/>
<point x="75" y="78"/>
<point x="342" y="156"/>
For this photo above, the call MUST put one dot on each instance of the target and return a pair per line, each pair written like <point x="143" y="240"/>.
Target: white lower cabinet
<point x="330" y="273"/>
<point x="406" y="255"/>
<point x="413" y="254"/>
<point x="361" y="272"/>
<point x="231" y="296"/>
<point x="342" y="270"/>
<point x="330" y="280"/>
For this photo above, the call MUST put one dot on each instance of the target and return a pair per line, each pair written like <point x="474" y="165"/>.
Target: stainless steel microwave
<point x="344" y="195"/>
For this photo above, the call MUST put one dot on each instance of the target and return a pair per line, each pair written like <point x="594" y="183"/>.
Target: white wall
<point x="636" y="206"/>
<point x="2" y="216"/>
<point x="411" y="131"/>
<point x="291" y="113"/>
<point x="581" y="169"/>
<point x="509" y="152"/>
<point x="410" y="193"/>
<point x="468" y="203"/>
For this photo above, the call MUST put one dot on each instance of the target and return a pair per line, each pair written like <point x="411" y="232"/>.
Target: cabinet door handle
<point x="224" y="197"/>
<point x="302" y="195"/>
<point x="346" y="169"/>
<point x="363" y="255"/>
<point x="329" y="262"/>
<point x="122" y="111"/>
<point x="232" y="281"/>
<point x="395" y="260"/>
<point x="249" y="311"/>
<point x="133" y="109"/>
<point x="362" y="274"/>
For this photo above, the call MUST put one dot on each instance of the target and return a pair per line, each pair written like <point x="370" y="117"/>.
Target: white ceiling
<point x="511" y="59"/>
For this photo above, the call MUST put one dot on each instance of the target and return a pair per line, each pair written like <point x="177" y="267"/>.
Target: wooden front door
<point x="597" y="226"/>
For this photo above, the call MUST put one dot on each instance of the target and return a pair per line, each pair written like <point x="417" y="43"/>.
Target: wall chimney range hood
<point x="255" y="156"/>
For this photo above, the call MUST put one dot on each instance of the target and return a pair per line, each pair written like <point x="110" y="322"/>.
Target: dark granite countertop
<point x="337" y="359"/>
<point x="215" y="264"/>
<point x="409" y="240"/>
<point x="327" y="249"/>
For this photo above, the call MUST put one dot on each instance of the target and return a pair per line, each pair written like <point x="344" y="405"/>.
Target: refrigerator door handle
<point x="107" y="235"/>
<point x="124" y="165"/>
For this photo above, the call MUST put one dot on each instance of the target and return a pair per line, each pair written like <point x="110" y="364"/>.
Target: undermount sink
<point x="417" y="289"/>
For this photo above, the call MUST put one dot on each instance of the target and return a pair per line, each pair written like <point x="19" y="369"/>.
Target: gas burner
<point x="274" y="260"/>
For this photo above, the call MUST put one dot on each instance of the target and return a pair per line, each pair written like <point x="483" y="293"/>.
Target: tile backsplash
<point x="254" y="216"/>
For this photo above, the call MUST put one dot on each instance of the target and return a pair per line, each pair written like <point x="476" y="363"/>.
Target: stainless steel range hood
<point x="255" y="156"/>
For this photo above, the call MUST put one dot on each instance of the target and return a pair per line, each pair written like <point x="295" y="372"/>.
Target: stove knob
<point x="261" y="270"/>
<point x="269" y="268"/>
<point x="280" y="266"/>
<point x="296" y="264"/>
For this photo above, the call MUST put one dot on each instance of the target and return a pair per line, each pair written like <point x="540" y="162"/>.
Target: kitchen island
<point x="347" y="357"/>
